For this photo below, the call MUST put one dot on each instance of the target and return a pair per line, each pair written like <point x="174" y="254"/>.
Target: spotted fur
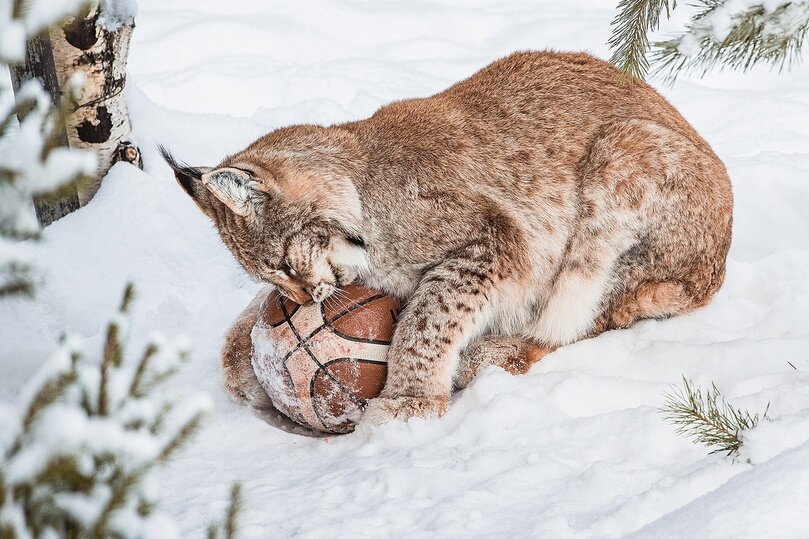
<point x="538" y="202"/>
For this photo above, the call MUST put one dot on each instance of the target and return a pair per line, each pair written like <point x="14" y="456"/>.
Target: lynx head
<point x="289" y="217"/>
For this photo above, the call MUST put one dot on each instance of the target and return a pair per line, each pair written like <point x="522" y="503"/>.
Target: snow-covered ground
<point x="576" y="448"/>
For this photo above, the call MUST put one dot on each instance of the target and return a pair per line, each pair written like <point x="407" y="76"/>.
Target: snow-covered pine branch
<point x="77" y="455"/>
<point x="737" y="34"/>
<point x="34" y="159"/>
<point x="227" y="528"/>
<point x="721" y="33"/>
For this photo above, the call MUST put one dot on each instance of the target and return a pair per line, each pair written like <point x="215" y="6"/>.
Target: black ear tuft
<point x="187" y="176"/>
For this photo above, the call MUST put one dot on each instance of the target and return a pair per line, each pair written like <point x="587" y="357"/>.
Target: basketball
<point x="320" y="363"/>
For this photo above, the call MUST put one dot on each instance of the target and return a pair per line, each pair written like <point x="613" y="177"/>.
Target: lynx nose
<point x="300" y="297"/>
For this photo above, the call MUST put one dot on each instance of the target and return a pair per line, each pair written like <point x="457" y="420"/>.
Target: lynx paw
<point x="244" y="388"/>
<point x="384" y="409"/>
<point x="240" y="380"/>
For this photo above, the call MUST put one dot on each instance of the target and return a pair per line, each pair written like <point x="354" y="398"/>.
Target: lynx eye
<point x="286" y="268"/>
<point x="356" y="240"/>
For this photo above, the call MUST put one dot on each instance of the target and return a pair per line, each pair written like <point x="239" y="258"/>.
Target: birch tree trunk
<point x="100" y="121"/>
<point x="38" y="64"/>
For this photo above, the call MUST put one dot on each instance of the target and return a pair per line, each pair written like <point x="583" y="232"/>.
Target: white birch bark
<point x="100" y="121"/>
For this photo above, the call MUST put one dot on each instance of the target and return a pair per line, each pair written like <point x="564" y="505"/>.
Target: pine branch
<point x="182" y="437"/>
<point x="227" y="528"/>
<point x="9" y="119"/>
<point x="57" y="478"/>
<point x="22" y="183"/>
<point x="107" y="477"/>
<point x="708" y="418"/>
<point x="3" y="493"/>
<point x="755" y="35"/>
<point x="234" y="509"/>
<point x="51" y="391"/>
<point x="123" y="487"/>
<point x="630" y="28"/>
<point x="139" y="386"/>
<point x="113" y="350"/>
<point x="18" y="280"/>
<point x="160" y="419"/>
<point x="20" y="7"/>
<point x="126" y="300"/>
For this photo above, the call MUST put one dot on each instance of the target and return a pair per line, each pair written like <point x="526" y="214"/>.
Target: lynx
<point x="541" y="201"/>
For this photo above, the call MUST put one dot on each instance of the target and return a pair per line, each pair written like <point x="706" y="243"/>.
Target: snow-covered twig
<point x="33" y="159"/>
<point x="227" y="528"/>
<point x="722" y="33"/>
<point x="736" y="34"/>
<point x="85" y="443"/>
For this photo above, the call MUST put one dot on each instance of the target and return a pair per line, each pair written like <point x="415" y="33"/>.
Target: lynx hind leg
<point x="514" y="354"/>
<point x="237" y="369"/>
<point x="654" y="232"/>
<point x="648" y="300"/>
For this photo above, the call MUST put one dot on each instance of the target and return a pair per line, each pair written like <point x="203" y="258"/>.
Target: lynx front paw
<point x="384" y="409"/>
<point x="244" y="387"/>
<point x="238" y="375"/>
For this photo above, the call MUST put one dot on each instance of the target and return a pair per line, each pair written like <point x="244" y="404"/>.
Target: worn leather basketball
<point x="320" y="363"/>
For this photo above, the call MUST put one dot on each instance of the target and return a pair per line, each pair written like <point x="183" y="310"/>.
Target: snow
<point x="788" y="22"/>
<point x="114" y="13"/>
<point x="85" y="508"/>
<point x="575" y="448"/>
<point x="761" y="498"/>
<point x="36" y="15"/>
<point x="40" y="14"/>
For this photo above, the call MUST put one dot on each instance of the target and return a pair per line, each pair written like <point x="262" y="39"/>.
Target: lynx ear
<point x="189" y="178"/>
<point x="233" y="187"/>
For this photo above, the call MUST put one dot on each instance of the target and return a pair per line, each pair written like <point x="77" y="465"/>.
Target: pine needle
<point x="630" y="29"/>
<point x="113" y="350"/>
<point x="707" y="417"/>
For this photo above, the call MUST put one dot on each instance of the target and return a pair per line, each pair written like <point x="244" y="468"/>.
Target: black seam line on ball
<point x="358" y="339"/>
<point x="362" y="403"/>
<point x="304" y="345"/>
<point x="303" y="342"/>
<point x="292" y="313"/>
<point x="351" y="309"/>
